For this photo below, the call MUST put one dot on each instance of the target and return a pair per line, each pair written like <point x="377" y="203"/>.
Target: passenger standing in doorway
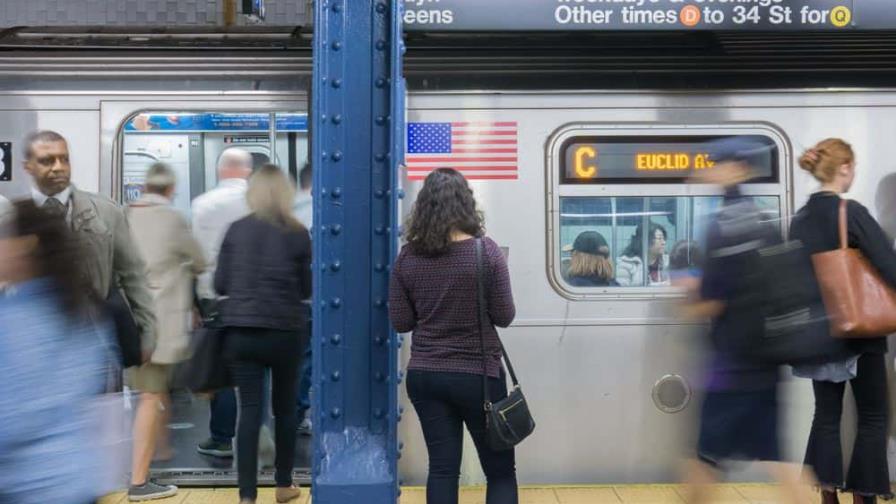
<point x="213" y="213"/>
<point x="304" y="211"/>
<point x="54" y="360"/>
<point x="173" y="259"/>
<point x="432" y="292"/>
<point x="111" y="263"/>
<point x="832" y="163"/>
<point x="264" y="274"/>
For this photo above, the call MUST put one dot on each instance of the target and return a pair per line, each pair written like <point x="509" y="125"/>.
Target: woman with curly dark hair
<point x="433" y="292"/>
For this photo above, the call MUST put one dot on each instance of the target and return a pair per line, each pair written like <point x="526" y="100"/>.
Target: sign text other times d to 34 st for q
<point x="491" y="15"/>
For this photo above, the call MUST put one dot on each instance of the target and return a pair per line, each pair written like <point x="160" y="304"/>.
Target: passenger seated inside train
<point x="630" y="270"/>
<point x="590" y="264"/>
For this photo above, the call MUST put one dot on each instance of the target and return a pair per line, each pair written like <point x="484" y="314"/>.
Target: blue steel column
<point x="357" y="111"/>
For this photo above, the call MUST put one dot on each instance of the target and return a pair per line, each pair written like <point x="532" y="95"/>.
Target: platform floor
<point x="622" y="494"/>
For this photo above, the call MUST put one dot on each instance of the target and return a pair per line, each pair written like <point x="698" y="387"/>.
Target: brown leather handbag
<point x="859" y="302"/>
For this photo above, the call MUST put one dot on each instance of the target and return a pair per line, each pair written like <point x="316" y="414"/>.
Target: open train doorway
<point x="191" y="139"/>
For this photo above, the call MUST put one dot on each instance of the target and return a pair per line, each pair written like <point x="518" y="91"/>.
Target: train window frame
<point x="557" y="189"/>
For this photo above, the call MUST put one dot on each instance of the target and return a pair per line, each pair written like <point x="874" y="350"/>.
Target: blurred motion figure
<point x="173" y="259"/>
<point x="739" y="415"/>
<point x="54" y="356"/>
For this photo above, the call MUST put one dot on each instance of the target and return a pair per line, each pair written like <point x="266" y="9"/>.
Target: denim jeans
<point x="253" y="351"/>
<point x="303" y="399"/>
<point x="445" y="402"/>
<point x="222" y="421"/>
<point x="868" y="471"/>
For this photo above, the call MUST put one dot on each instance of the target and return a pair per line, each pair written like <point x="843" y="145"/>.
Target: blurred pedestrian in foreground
<point x="264" y="274"/>
<point x="54" y="359"/>
<point x="173" y="259"/>
<point x="739" y="416"/>
<point x="832" y="163"/>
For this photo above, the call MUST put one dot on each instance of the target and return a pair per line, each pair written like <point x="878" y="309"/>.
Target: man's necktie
<point x="54" y="207"/>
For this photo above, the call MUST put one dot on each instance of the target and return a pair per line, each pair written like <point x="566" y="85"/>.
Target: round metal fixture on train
<point x="671" y="394"/>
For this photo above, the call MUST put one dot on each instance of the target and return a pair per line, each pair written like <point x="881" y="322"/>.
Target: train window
<point x="192" y="142"/>
<point x="624" y="217"/>
<point x="603" y="242"/>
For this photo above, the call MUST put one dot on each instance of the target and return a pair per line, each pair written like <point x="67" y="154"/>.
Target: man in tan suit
<point x="173" y="259"/>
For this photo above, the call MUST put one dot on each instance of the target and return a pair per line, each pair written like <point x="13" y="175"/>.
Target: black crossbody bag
<point x="508" y="421"/>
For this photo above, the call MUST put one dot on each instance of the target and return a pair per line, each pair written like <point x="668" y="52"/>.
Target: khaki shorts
<point x="152" y="378"/>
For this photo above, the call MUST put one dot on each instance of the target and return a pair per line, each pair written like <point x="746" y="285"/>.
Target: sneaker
<point x="215" y="449"/>
<point x="150" y="491"/>
<point x="304" y="427"/>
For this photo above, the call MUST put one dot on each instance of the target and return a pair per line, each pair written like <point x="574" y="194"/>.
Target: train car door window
<point x="192" y="142"/>
<point x="625" y="215"/>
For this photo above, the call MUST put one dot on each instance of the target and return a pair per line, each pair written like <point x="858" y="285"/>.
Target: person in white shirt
<point x="303" y="207"/>
<point x="213" y="213"/>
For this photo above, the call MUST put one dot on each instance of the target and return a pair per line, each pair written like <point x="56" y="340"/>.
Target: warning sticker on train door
<point x="5" y="161"/>
<point x="480" y="150"/>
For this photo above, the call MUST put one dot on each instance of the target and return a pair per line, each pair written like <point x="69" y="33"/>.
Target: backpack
<point x="780" y="293"/>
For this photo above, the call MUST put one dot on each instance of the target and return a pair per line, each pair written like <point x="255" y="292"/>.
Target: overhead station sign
<point x="620" y="15"/>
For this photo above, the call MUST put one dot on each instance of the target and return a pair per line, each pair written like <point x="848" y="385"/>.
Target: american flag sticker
<point x="482" y="150"/>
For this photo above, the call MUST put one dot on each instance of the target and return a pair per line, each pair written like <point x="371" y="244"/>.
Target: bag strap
<point x="842" y="226"/>
<point x="482" y="316"/>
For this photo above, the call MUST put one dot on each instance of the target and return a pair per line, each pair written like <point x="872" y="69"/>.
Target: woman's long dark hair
<point x="57" y="255"/>
<point x="636" y="245"/>
<point x="445" y="204"/>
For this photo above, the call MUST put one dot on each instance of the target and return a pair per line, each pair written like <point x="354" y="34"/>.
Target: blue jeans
<point x="445" y="402"/>
<point x="303" y="398"/>
<point x="255" y="351"/>
<point x="222" y="421"/>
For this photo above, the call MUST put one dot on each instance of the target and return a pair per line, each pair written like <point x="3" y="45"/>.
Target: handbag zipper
<point x="501" y="411"/>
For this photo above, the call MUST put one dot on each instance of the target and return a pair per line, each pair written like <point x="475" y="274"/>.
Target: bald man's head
<point x="234" y="163"/>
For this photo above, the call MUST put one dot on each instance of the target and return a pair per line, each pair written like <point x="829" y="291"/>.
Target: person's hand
<point x="197" y="319"/>
<point x="146" y="356"/>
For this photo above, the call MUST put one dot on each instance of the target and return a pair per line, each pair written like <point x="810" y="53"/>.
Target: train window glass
<point x="192" y="143"/>
<point x="658" y="158"/>
<point x="603" y="242"/>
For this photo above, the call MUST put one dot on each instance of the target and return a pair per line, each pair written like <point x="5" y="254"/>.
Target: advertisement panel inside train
<point x="655" y="159"/>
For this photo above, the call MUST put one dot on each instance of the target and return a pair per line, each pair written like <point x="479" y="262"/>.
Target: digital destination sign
<point x="657" y="159"/>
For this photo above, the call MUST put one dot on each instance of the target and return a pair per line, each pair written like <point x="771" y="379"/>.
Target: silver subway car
<point x="612" y="373"/>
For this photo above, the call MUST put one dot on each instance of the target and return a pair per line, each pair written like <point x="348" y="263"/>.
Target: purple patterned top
<point x="435" y="297"/>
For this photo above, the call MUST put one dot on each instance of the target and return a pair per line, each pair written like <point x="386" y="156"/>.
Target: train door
<point x="190" y="137"/>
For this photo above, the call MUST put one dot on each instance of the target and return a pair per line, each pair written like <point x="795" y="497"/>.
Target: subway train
<point x="558" y="135"/>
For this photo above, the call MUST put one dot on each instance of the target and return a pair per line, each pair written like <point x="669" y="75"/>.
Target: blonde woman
<point x="590" y="265"/>
<point x="264" y="274"/>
